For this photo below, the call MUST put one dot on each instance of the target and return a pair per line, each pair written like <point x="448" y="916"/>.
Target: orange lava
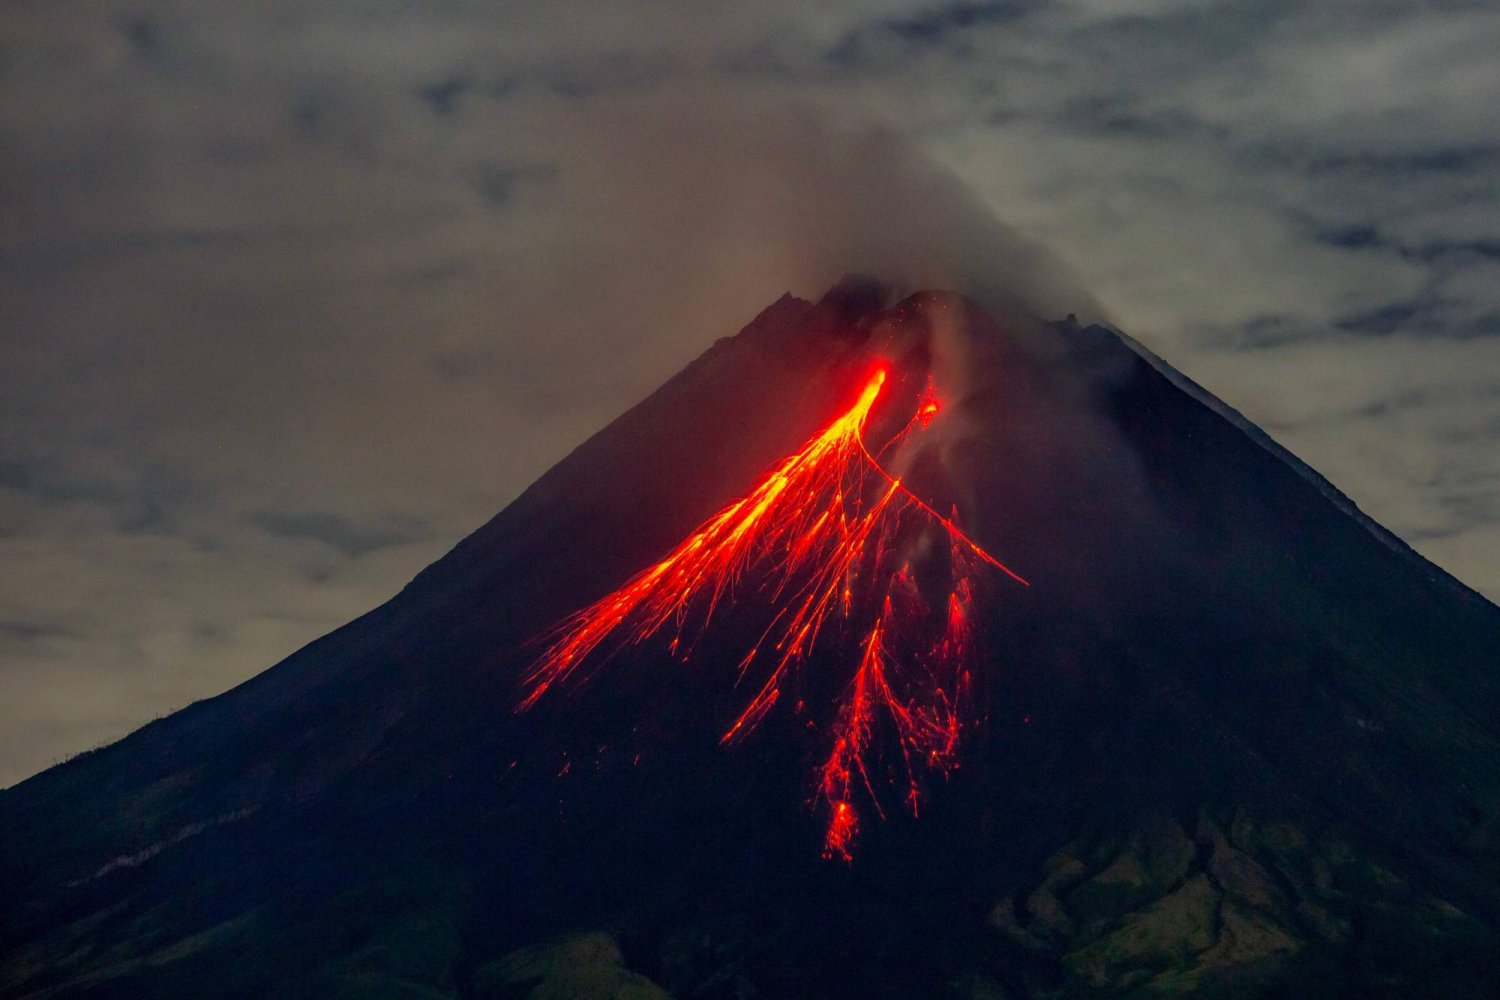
<point x="822" y="535"/>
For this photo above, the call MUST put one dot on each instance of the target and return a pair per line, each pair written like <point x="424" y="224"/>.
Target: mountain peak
<point x="855" y="296"/>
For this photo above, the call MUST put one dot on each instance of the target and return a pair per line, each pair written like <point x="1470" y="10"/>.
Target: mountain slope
<point x="1229" y="740"/>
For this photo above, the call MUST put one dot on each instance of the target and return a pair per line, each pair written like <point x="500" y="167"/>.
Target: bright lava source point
<point x="829" y="536"/>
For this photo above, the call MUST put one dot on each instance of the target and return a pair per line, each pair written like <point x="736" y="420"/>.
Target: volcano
<point x="888" y="650"/>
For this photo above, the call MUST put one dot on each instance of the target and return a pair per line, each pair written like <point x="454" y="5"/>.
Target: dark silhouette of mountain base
<point x="1236" y="740"/>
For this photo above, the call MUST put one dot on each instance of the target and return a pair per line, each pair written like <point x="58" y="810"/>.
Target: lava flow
<point x="825" y="535"/>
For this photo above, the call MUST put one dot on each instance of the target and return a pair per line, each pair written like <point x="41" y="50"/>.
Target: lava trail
<point x="824" y="536"/>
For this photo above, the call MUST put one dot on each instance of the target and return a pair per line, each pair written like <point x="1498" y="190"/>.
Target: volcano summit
<point x="885" y="651"/>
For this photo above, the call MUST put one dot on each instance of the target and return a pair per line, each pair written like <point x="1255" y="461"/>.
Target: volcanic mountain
<point x="888" y="650"/>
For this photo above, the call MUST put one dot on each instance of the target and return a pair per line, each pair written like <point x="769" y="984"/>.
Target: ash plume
<point x="728" y="197"/>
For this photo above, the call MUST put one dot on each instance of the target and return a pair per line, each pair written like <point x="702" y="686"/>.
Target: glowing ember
<point x="824" y="532"/>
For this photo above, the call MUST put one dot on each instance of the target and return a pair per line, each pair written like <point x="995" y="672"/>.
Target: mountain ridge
<point x="1265" y="440"/>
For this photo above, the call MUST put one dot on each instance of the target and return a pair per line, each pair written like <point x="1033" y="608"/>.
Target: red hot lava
<point x="826" y="535"/>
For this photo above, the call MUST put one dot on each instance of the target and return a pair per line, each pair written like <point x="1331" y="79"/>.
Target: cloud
<point x="339" y="533"/>
<point x="295" y="298"/>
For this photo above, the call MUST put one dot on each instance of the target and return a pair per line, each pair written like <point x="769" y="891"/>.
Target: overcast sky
<point x="295" y="295"/>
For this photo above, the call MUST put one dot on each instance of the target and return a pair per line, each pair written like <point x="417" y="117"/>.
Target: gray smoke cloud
<point x="736" y="193"/>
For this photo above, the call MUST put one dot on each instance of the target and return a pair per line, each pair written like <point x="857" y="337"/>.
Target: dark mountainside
<point x="1237" y="741"/>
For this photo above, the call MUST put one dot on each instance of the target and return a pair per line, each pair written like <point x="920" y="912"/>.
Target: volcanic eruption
<point x="1148" y="708"/>
<point x="829" y="544"/>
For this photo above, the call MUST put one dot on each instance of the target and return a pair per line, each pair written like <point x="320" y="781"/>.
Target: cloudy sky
<point x="293" y="296"/>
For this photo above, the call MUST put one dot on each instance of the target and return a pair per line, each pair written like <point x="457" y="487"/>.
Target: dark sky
<point x="293" y="296"/>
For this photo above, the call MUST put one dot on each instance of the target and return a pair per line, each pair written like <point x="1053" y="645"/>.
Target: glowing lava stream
<point x="824" y="541"/>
